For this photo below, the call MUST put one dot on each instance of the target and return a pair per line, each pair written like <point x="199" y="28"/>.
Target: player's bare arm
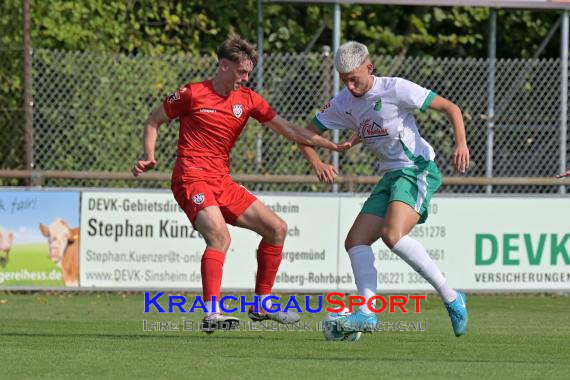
<point x="154" y="121"/>
<point x="325" y="172"/>
<point x="562" y="175"/>
<point x="302" y="135"/>
<point x="453" y="113"/>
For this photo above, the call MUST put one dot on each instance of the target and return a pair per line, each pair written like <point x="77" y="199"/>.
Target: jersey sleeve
<point x="261" y="111"/>
<point x="178" y="103"/>
<point x="413" y="96"/>
<point x="331" y="116"/>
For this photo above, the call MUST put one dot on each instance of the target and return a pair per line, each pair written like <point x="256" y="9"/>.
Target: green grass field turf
<point x="100" y="335"/>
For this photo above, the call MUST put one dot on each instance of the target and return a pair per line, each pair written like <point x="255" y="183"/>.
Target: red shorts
<point x="196" y="194"/>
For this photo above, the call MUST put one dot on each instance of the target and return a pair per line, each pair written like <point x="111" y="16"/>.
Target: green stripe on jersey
<point x="419" y="161"/>
<point x="431" y="96"/>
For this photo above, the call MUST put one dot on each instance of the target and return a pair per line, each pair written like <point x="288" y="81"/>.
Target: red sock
<point x="268" y="260"/>
<point x="212" y="270"/>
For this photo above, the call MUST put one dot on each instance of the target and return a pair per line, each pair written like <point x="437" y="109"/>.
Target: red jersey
<point x="210" y="125"/>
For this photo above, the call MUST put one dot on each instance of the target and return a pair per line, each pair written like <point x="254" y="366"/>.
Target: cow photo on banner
<point x="39" y="238"/>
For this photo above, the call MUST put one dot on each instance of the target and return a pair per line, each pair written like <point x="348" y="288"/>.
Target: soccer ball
<point x="331" y="333"/>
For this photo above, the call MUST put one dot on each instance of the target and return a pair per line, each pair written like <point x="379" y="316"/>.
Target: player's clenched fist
<point x="142" y="166"/>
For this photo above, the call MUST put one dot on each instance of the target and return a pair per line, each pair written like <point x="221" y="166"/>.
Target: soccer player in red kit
<point x="212" y="115"/>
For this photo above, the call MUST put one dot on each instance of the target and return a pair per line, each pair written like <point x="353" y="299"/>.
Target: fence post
<point x="491" y="95"/>
<point x="327" y="94"/>
<point x="259" y="153"/>
<point x="563" y="95"/>
<point x="28" y="100"/>
<point x="326" y="73"/>
<point x="336" y="83"/>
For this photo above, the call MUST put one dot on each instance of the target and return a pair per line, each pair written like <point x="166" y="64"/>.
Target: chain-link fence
<point x="90" y="108"/>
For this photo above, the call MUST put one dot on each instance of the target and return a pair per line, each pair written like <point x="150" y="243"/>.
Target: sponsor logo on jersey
<point x="370" y="129"/>
<point x="199" y="198"/>
<point x="207" y="110"/>
<point x="238" y="110"/>
<point x="173" y="97"/>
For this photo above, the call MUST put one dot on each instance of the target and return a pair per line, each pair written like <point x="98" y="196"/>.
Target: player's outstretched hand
<point x="562" y="175"/>
<point x="344" y="146"/>
<point x="461" y="158"/>
<point x="142" y="166"/>
<point x="326" y="173"/>
<point x="354" y="140"/>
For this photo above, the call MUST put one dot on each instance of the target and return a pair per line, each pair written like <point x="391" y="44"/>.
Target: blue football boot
<point x="457" y="310"/>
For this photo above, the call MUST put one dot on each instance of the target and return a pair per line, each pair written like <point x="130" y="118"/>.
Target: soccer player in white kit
<point x="380" y="111"/>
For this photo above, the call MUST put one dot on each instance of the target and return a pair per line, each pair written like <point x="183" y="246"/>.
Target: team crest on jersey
<point x="173" y="97"/>
<point x="238" y="110"/>
<point x="378" y="106"/>
<point x="199" y="198"/>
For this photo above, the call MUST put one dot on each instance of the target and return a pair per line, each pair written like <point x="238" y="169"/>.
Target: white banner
<point x="480" y="244"/>
<point x="507" y="243"/>
<point x="137" y="240"/>
<point x="143" y="240"/>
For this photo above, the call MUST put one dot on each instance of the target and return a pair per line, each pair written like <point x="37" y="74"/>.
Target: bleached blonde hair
<point x="349" y="56"/>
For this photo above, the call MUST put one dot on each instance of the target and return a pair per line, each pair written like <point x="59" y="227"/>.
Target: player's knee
<point x="225" y="242"/>
<point x="280" y="230"/>
<point x="219" y="240"/>
<point x="349" y="242"/>
<point x="390" y="236"/>
<point x="352" y="240"/>
<point x="276" y="232"/>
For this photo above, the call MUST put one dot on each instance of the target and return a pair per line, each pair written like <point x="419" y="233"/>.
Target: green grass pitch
<point x="100" y="335"/>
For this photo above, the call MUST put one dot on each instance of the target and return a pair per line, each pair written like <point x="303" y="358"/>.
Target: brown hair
<point x="236" y="49"/>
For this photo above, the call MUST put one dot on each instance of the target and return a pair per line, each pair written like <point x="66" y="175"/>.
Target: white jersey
<point x="384" y="119"/>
